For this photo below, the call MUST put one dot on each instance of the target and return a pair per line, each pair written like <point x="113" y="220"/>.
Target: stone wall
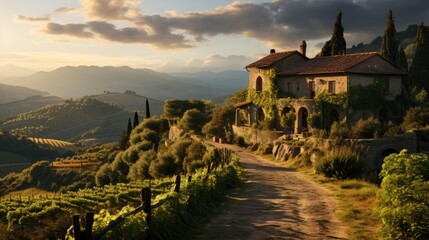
<point x="254" y="136"/>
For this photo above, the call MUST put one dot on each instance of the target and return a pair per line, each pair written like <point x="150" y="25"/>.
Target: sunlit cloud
<point x="66" y="10"/>
<point x="21" y="18"/>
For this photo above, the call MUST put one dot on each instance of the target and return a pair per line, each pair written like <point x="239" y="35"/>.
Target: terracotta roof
<point x="242" y="104"/>
<point x="340" y="64"/>
<point x="271" y="59"/>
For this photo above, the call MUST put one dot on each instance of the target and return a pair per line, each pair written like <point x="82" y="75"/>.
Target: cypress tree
<point x="147" y="109"/>
<point x="337" y="44"/>
<point x="129" y="127"/>
<point x="136" y="119"/>
<point x="123" y="143"/>
<point x="391" y="47"/>
<point x="420" y="66"/>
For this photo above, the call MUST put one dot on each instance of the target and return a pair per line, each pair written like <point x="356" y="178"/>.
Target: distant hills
<point x="130" y="100"/>
<point x="14" y="71"/>
<point x="406" y="37"/>
<point x="72" y="120"/>
<point x="14" y="108"/>
<point x="14" y="93"/>
<point x="86" y="80"/>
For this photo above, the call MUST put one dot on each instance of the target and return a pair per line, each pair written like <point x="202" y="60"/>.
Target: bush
<point x="221" y="117"/>
<point x="416" y="118"/>
<point x="239" y="141"/>
<point x="339" y="130"/>
<point x="192" y="120"/>
<point x="341" y="163"/>
<point x="404" y="196"/>
<point x="369" y="128"/>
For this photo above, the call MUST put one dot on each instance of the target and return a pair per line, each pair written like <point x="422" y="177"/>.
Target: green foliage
<point x="337" y="44"/>
<point x="369" y="128"/>
<point x="287" y="121"/>
<point x="174" y="109"/>
<point x="420" y="68"/>
<point x="404" y="196"/>
<point x="340" y="163"/>
<point x="267" y="99"/>
<point x="192" y="120"/>
<point x="367" y="97"/>
<point x="416" y="118"/>
<point x="222" y="116"/>
<point x="237" y="97"/>
<point x="340" y="99"/>
<point x="339" y="130"/>
<point x="391" y="48"/>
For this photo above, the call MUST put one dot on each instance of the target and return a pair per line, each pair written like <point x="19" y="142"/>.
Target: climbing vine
<point x="266" y="99"/>
<point x="367" y="97"/>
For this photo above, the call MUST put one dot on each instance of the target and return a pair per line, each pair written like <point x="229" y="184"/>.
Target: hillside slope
<point x="131" y="101"/>
<point x="14" y="93"/>
<point x="86" y="80"/>
<point x="25" y="105"/>
<point x="72" y="120"/>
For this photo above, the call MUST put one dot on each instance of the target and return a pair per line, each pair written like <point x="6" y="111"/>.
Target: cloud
<point x="209" y="63"/>
<point x="111" y="9"/>
<point x="279" y="23"/>
<point x="65" y="10"/>
<point x="73" y="30"/>
<point x="21" y="18"/>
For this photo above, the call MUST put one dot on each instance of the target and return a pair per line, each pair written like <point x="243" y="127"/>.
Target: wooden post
<point x="87" y="233"/>
<point x="177" y="184"/>
<point x="147" y="208"/>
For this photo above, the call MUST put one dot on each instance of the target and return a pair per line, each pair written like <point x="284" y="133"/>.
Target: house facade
<point x="318" y="91"/>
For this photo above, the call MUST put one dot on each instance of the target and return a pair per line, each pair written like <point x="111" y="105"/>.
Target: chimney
<point x="303" y="48"/>
<point x="272" y="51"/>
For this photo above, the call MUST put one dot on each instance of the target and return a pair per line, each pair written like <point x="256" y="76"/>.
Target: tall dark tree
<point x="337" y="44"/>
<point x="420" y="67"/>
<point x="136" y="120"/>
<point x="391" y="47"/>
<point x="129" y="127"/>
<point x="124" y="141"/>
<point x="147" y="109"/>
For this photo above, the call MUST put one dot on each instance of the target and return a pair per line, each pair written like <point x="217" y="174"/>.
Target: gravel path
<point x="276" y="203"/>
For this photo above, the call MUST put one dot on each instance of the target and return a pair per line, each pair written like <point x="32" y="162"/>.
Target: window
<point x="259" y="84"/>
<point x="297" y="86"/>
<point x="331" y="87"/>
<point x="311" y="87"/>
<point x="289" y="87"/>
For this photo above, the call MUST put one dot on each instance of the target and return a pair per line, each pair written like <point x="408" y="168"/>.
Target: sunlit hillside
<point x="71" y="119"/>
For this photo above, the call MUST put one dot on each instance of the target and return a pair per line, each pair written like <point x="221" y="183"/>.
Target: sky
<point x="184" y="35"/>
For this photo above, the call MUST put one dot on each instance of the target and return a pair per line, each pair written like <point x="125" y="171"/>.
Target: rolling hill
<point x="72" y="120"/>
<point x="14" y="93"/>
<point x="86" y="80"/>
<point x="129" y="100"/>
<point x="25" y="105"/>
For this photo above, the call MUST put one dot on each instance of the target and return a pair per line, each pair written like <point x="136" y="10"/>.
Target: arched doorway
<point x="260" y="116"/>
<point x="334" y="116"/>
<point x="302" y="120"/>
<point x="259" y="84"/>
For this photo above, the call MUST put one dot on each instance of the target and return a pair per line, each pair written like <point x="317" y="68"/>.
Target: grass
<point x="356" y="198"/>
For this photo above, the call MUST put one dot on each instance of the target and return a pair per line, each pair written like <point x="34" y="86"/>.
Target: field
<point x="56" y="144"/>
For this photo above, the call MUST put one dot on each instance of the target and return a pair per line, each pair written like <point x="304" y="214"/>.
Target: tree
<point x="147" y="109"/>
<point x="136" y="120"/>
<point x="222" y="116"/>
<point x="420" y="68"/>
<point x="129" y="127"/>
<point x="192" y="120"/>
<point x="391" y="48"/>
<point x="337" y="44"/>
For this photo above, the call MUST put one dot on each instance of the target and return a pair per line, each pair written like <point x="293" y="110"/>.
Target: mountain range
<point x="72" y="82"/>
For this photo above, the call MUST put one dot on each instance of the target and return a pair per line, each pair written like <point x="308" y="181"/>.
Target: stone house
<point x="328" y="89"/>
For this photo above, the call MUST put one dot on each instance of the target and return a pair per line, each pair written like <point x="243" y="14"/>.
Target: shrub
<point x="222" y="116"/>
<point x="287" y="121"/>
<point x="339" y="130"/>
<point x="369" y="128"/>
<point x="192" y="120"/>
<point x="239" y="141"/>
<point x="340" y="163"/>
<point x="404" y="196"/>
<point x="415" y="118"/>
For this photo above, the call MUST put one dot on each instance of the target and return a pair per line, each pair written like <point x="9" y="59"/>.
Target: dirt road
<point x="276" y="203"/>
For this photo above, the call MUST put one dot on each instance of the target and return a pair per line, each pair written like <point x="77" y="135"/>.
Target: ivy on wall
<point x="367" y="97"/>
<point x="266" y="99"/>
